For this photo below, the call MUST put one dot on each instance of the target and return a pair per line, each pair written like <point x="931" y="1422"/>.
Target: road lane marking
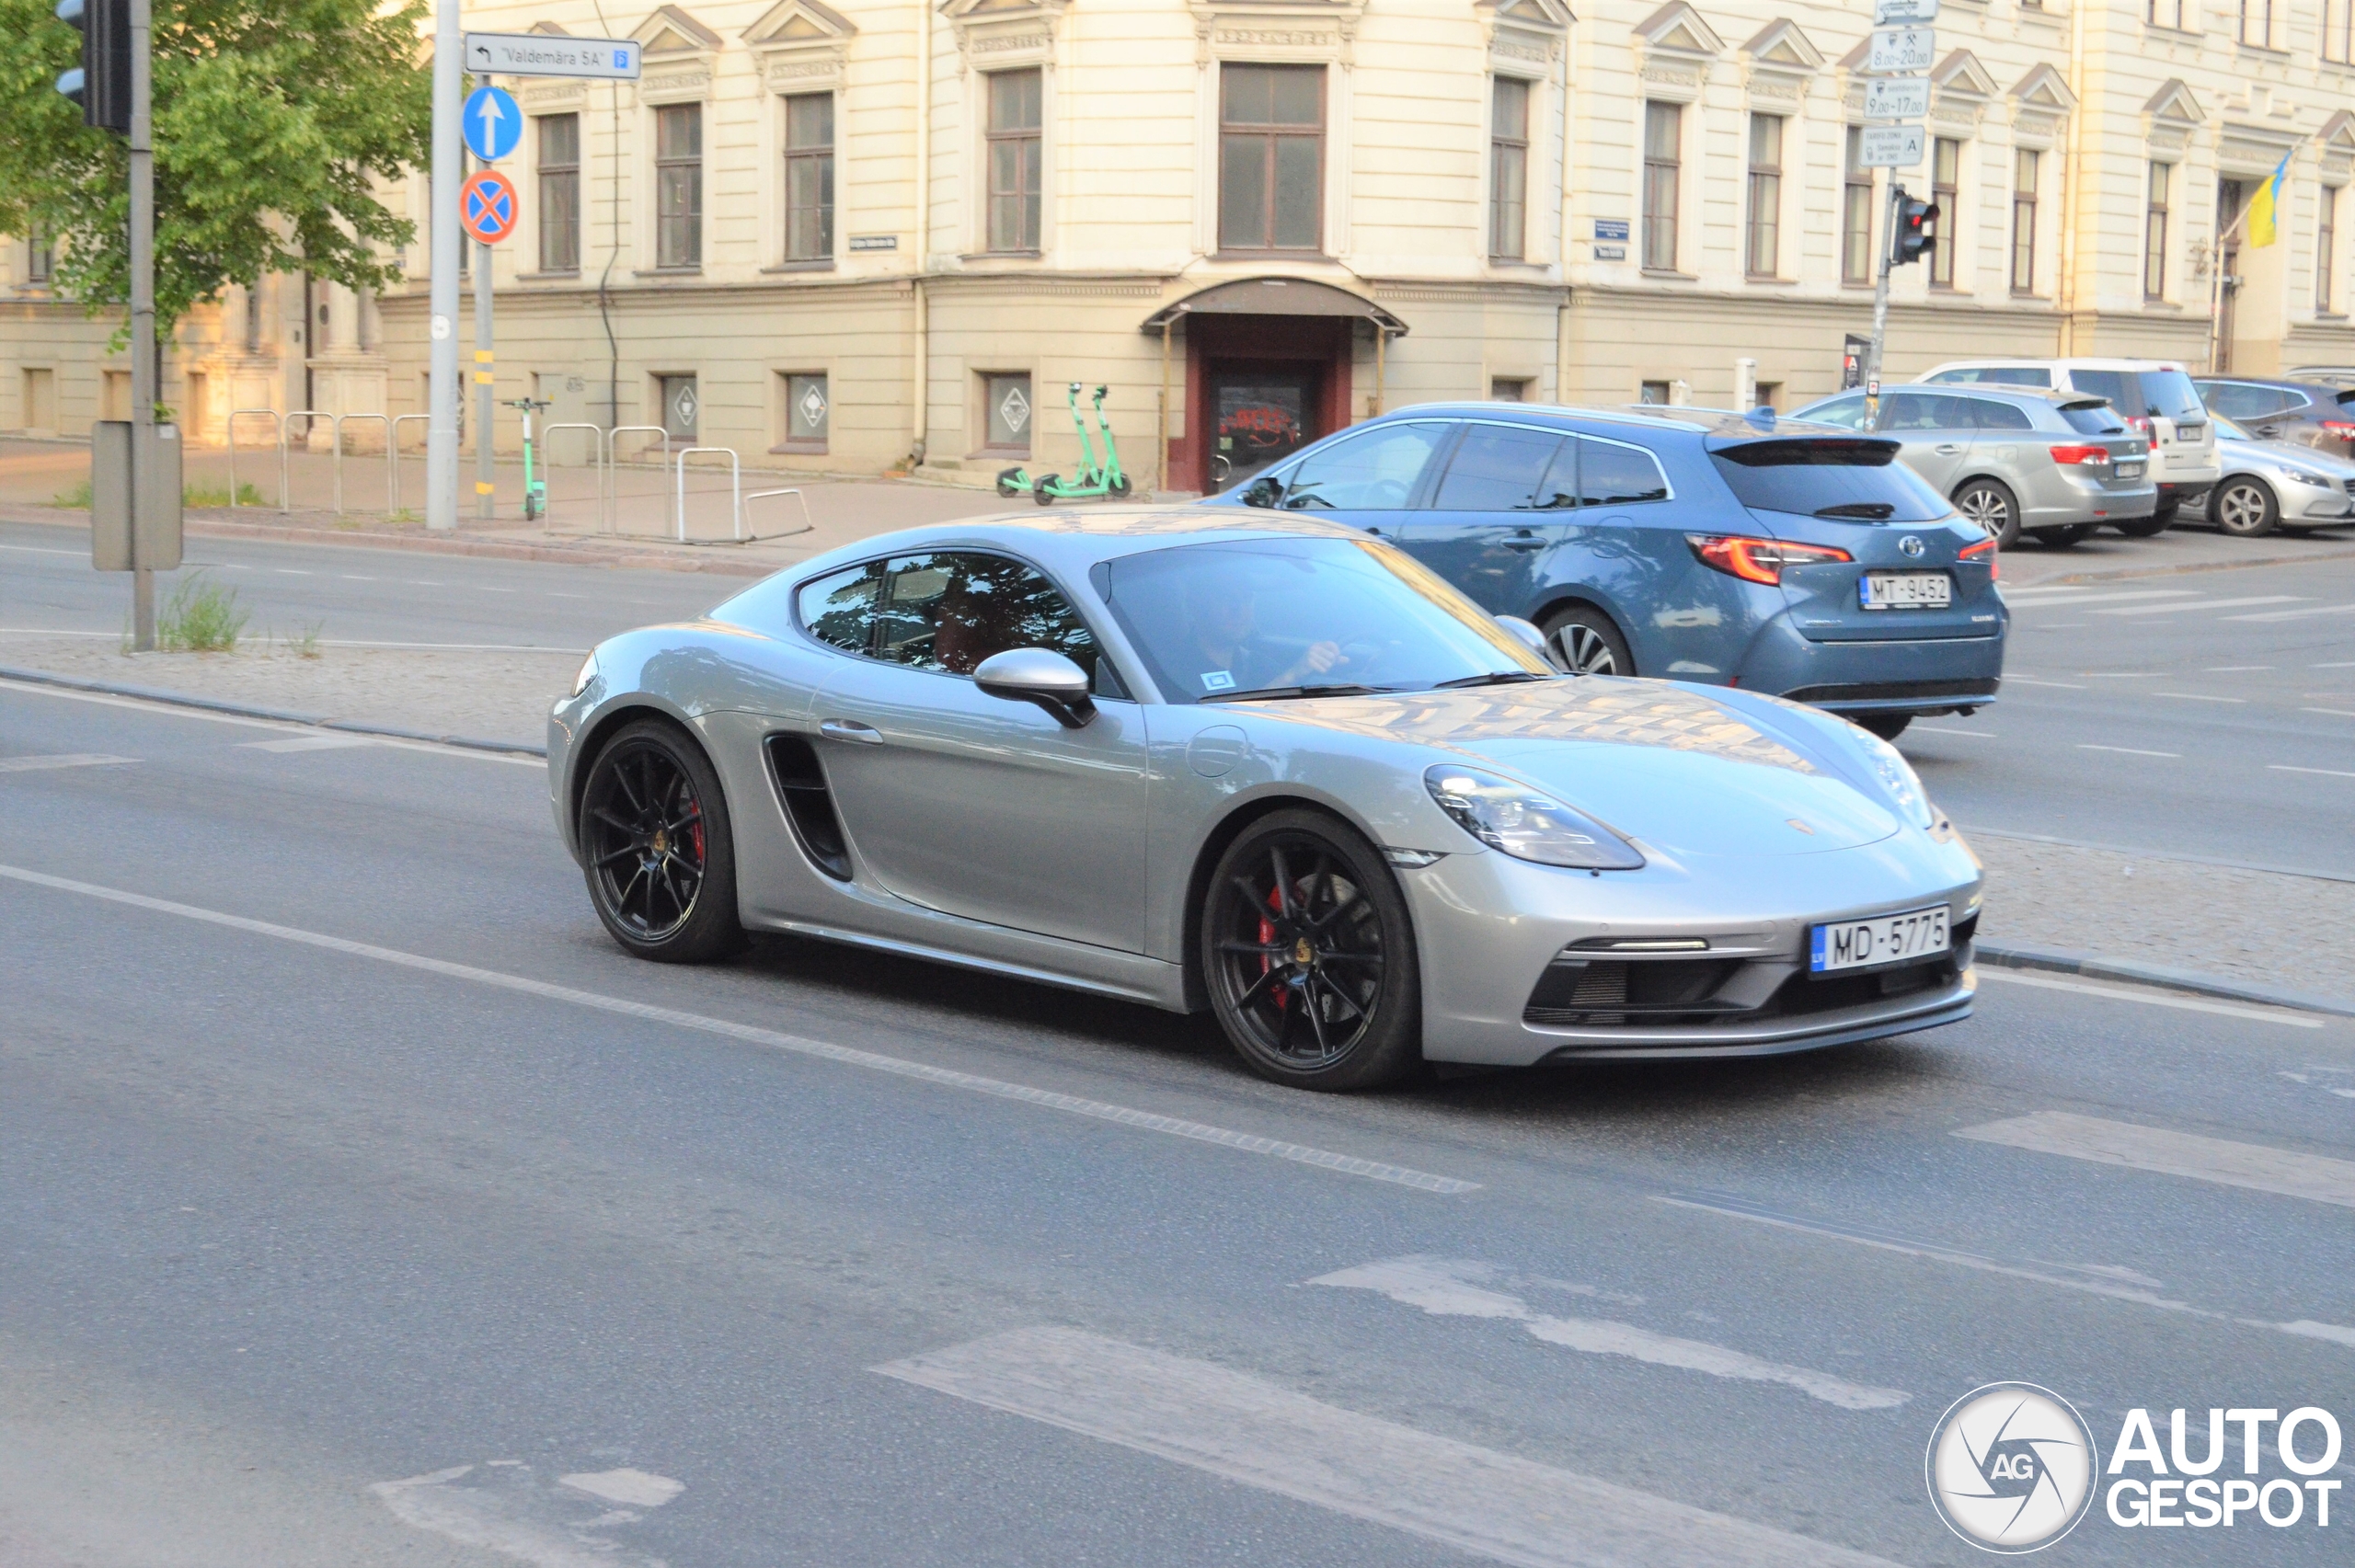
<point x="306" y="743"/>
<point x="2204" y="605"/>
<point x="507" y="1511"/>
<point x="2297" y="614"/>
<point x="290" y="572"/>
<point x="67" y="760"/>
<point x="2056" y="685"/>
<point x="2335" y="713"/>
<point x="2235" y="668"/>
<point x="797" y="1045"/>
<point x="633" y="1488"/>
<point x="1243" y="1429"/>
<point x="37" y="550"/>
<point x="2327" y="772"/>
<point x="2122" y="674"/>
<point x="2071" y="597"/>
<point x="2315" y="1177"/>
<point x="173" y="710"/>
<point x="2129" y="751"/>
<point x="2149" y="998"/>
<point x="2343" y="664"/>
<point x="354" y="577"/>
<point x="1941" y="730"/>
<point x="1450" y="1288"/>
<point x="2200" y="697"/>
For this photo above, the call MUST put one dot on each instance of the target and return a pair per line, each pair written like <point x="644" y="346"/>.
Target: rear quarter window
<point x="1991" y="415"/>
<point x="1854" y="480"/>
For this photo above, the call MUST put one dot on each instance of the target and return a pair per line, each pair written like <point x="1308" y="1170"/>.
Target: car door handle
<point x="847" y="730"/>
<point x="1948" y="451"/>
<point x="1524" y="539"/>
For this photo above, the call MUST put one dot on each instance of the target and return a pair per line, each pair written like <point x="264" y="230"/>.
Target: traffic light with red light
<point x="101" y="84"/>
<point x="1915" y="231"/>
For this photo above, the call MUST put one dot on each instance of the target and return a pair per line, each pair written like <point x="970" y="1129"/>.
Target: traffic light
<point x="1916" y="230"/>
<point x="101" y="84"/>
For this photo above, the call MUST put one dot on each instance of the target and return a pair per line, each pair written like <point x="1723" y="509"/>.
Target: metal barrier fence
<point x="278" y="424"/>
<point x="764" y="495"/>
<point x="597" y="459"/>
<point x="393" y="448"/>
<point x="735" y="491"/>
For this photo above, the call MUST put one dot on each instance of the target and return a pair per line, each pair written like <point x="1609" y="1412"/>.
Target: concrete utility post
<point x="143" y="390"/>
<point x="485" y="391"/>
<point x="441" y="428"/>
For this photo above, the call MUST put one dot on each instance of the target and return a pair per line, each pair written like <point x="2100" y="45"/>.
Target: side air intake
<point x="809" y="804"/>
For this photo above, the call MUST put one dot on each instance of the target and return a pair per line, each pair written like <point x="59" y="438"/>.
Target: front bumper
<point x="2313" y="503"/>
<point x="1498" y="934"/>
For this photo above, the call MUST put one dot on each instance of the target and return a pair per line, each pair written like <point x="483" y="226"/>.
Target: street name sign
<point x="487" y="206"/>
<point x="1895" y="13"/>
<point x="1897" y="97"/>
<point x="1890" y="147"/>
<point x="545" y="55"/>
<point x="1902" y="49"/>
<point x="493" y="123"/>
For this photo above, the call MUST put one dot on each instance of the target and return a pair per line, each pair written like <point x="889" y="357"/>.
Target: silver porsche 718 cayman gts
<point x="1264" y="767"/>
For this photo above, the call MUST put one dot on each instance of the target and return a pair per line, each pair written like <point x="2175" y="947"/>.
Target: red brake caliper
<point x="1267" y="937"/>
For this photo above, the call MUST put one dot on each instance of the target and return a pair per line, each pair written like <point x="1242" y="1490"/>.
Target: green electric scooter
<point x="1105" y="478"/>
<point x="535" y="489"/>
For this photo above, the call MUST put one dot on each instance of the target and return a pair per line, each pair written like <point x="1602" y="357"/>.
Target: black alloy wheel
<point x="2245" y="508"/>
<point x="2149" y="527"/>
<point x="1991" y="505"/>
<point x="2065" y="537"/>
<point x="1584" y="642"/>
<point x="655" y="847"/>
<point x="1309" y="957"/>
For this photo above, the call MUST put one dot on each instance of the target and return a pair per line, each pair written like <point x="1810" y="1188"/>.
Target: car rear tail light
<point x="2139" y="423"/>
<point x="2343" y="428"/>
<point x="1759" y="560"/>
<point x="2095" y="455"/>
<point x="1984" y="547"/>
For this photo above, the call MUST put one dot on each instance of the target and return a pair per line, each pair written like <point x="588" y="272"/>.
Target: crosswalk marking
<point x="1246" y="1430"/>
<point x="2028" y="598"/>
<point x="2149" y="997"/>
<point x="2296" y="614"/>
<point x="2315" y="1177"/>
<point x="71" y="759"/>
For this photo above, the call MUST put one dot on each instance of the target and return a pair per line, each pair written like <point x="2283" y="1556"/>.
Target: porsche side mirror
<point x="1531" y="635"/>
<point x="1041" y="676"/>
<point x="1264" y="491"/>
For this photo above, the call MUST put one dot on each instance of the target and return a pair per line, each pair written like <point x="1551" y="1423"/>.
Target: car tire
<point x="1888" y="727"/>
<point x="1583" y="641"/>
<point x="2149" y="527"/>
<point x="2067" y="537"/>
<point x="653" y="820"/>
<point x="1349" y="1016"/>
<point x="2245" y="508"/>
<point x="1991" y="504"/>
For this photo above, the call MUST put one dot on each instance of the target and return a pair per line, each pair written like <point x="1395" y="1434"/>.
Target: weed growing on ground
<point x="78" y="494"/>
<point x="201" y="617"/>
<point x="204" y="493"/>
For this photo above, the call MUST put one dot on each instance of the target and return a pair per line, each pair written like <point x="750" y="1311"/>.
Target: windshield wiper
<point x="1273" y="692"/>
<point x="1491" y="678"/>
<point x="1878" y="511"/>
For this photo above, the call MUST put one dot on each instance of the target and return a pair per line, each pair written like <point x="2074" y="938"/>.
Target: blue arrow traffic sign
<point x="493" y="124"/>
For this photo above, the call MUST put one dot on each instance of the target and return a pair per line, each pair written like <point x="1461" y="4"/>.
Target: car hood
<point x="2289" y="454"/>
<point x="1663" y="764"/>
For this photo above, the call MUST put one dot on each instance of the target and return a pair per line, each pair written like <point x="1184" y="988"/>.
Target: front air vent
<point x="809" y="804"/>
<point x="1604" y="993"/>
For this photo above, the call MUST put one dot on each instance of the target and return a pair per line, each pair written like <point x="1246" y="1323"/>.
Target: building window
<point x="1006" y="409"/>
<point x="1856" y="213"/>
<point x="1946" y="176"/>
<point x="1018" y="155"/>
<point x="810" y="176"/>
<point x="2257" y="22"/>
<point x="1663" y="134"/>
<point x="1655" y="392"/>
<point x="2154" y="233"/>
<point x="2326" y="246"/>
<point x="2338" y="21"/>
<point x="682" y="407"/>
<point x="1509" y="389"/>
<point x="41" y="260"/>
<point x="1509" y="170"/>
<point x="678" y="185"/>
<point x="2168" y="14"/>
<point x="1271" y="157"/>
<point x="806" y="407"/>
<point x="559" y="193"/>
<point x="2025" y="169"/>
<point x="1763" y="232"/>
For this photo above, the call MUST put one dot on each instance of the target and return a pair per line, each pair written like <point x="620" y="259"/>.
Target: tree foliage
<point x="273" y="119"/>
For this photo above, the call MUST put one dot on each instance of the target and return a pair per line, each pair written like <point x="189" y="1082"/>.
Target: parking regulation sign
<point x="487" y="206"/>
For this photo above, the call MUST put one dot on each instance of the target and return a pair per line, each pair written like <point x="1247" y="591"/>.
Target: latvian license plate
<point x="1884" y="939"/>
<point x="1905" y="590"/>
<point x="2129" y="468"/>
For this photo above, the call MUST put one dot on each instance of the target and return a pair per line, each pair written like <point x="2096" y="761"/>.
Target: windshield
<point x="1293" y="617"/>
<point x="2093" y="419"/>
<point x="2171" y="393"/>
<point x="1830" y="478"/>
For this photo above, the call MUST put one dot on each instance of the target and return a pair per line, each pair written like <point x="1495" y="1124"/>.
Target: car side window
<point x="2017" y="375"/>
<point x="1848" y="413"/>
<point x="1559" y="490"/>
<point x="948" y="610"/>
<point x="1909" y="411"/>
<point x="1496" y="468"/>
<point x="840" y="608"/>
<point x="1990" y="414"/>
<point x="1376" y="471"/>
<point x="1613" y="475"/>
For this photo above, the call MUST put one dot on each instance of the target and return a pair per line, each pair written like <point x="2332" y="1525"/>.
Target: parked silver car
<point x="2055" y="465"/>
<point x="1260" y="765"/>
<point x="2269" y="485"/>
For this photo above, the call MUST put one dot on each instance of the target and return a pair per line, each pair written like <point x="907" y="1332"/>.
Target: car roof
<point x="2292" y="383"/>
<point x="1072" y="539"/>
<point x="2081" y="363"/>
<point x="2054" y="397"/>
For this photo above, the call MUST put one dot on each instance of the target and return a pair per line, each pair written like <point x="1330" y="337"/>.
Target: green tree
<point x="272" y="121"/>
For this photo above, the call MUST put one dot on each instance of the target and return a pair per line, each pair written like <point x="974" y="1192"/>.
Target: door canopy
<point x="1276" y="296"/>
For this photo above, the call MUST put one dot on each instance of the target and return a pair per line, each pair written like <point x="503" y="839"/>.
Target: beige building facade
<point x="860" y="236"/>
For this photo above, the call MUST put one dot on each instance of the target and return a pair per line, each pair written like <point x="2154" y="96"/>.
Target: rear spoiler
<point x="1802" y="452"/>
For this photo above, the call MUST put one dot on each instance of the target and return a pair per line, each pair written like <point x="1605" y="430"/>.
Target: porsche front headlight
<point x="1526" y="824"/>
<point x="1898" y="778"/>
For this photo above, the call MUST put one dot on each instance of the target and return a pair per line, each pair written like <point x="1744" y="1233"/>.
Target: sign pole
<point x="143" y="390"/>
<point x="442" y="424"/>
<point x="486" y="390"/>
<point x="1880" y="298"/>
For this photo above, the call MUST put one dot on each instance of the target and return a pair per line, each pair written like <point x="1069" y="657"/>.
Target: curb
<point x="277" y="716"/>
<point x="2094" y="966"/>
<point x="2171" y="859"/>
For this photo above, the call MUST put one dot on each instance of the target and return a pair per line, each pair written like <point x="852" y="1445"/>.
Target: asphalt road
<point x="366" y="1205"/>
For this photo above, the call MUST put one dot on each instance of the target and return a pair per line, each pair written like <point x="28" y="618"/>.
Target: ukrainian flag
<point x="2262" y="205"/>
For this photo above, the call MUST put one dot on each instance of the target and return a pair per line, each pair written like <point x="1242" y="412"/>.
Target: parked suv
<point x="2310" y="413"/>
<point x="1797" y="559"/>
<point x="2055" y="465"/>
<point x="2154" y="396"/>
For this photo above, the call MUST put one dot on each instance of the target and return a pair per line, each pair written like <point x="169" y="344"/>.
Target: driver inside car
<point x="1221" y="631"/>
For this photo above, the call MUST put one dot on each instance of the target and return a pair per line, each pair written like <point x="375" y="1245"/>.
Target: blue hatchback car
<point x="1797" y="559"/>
